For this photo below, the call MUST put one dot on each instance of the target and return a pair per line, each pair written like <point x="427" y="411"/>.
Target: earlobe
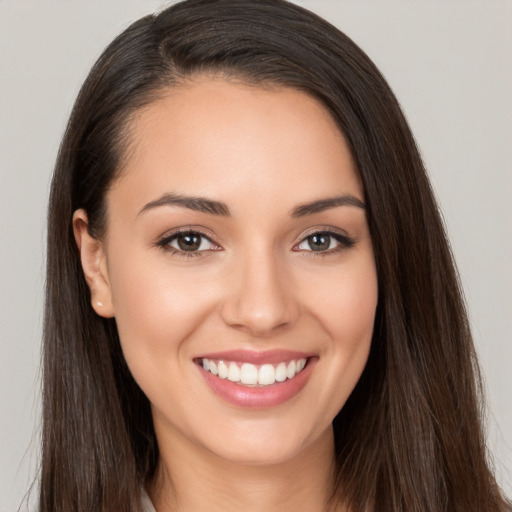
<point x="94" y="265"/>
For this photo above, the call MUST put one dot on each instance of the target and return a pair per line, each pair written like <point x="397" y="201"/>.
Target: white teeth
<point x="290" y="371"/>
<point x="266" y="375"/>
<point x="250" y="375"/>
<point x="233" y="373"/>
<point x="222" y="370"/>
<point x="281" y="372"/>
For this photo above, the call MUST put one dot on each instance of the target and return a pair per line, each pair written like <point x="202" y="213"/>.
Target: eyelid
<point x="164" y="241"/>
<point x="323" y="229"/>
<point x="189" y="228"/>
<point x="345" y="241"/>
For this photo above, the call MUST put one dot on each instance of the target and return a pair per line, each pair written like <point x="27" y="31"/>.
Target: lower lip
<point x="259" y="397"/>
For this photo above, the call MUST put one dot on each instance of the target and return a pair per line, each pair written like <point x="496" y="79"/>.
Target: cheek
<point x="346" y="310"/>
<point x="156" y="307"/>
<point x="345" y="302"/>
<point x="352" y="324"/>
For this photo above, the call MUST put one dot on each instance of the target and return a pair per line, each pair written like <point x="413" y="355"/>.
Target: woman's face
<point x="237" y="247"/>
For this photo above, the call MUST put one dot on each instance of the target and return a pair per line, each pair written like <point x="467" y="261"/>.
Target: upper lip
<point x="256" y="356"/>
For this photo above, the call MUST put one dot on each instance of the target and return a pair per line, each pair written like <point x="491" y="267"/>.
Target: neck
<point x="190" y="479"/>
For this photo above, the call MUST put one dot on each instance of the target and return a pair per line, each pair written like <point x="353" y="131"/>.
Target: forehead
<point x="225" y="139"/>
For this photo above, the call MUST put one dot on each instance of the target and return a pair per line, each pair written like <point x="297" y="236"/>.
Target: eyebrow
<point x="199" y="204"/>
<point x="325" y="204"/>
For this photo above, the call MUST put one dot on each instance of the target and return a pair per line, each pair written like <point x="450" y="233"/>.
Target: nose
<point x="260" y="298"/>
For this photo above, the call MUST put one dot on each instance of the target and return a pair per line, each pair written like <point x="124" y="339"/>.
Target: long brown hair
<point x="409" y="437"/>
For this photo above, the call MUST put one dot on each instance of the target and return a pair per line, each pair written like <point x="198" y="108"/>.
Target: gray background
<point x="450" y="64"/>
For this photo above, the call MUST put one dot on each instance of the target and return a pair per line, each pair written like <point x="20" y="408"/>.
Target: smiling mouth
<point x="252" y="375"/>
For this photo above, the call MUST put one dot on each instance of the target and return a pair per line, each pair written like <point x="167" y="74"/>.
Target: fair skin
<point x="257" y="275"/>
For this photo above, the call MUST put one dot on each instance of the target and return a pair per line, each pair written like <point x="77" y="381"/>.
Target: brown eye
<point x="319" y="241"/>
<point x="325" y="242"/>
<point x="189" y="241"/>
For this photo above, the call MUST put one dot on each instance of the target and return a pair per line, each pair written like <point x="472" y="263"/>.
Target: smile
<point x="248" y="374"/>
<point x="256" y="379"/>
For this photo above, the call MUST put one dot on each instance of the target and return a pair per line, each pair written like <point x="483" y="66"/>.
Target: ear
<point x="94" y="265"/>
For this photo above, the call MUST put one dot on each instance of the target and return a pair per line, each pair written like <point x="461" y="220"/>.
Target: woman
<point x="251" y="302"/>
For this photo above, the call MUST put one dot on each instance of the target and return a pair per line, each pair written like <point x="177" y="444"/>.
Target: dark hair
<point x="409" y="437"/>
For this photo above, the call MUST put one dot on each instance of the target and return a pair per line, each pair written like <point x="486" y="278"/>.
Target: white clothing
<point x="147" y="506"/>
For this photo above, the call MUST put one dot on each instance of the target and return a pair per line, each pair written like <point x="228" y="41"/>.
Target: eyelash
<point x="164" y="243"/>
<point x="345" y="242"/>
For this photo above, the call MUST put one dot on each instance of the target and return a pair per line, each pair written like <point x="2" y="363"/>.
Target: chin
<point x="257" y="445"/>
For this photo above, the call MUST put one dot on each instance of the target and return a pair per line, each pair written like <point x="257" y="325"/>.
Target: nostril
<point x="259" y="319"/>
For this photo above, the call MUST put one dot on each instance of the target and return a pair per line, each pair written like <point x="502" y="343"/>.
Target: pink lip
<point x="256" y="357"/>
<point x="257" y="397"/>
